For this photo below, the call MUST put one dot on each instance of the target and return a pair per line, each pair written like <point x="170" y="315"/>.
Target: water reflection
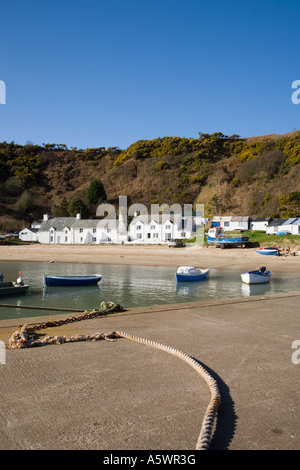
<point x="255" y="289"/>
<point x="129" y="286"/>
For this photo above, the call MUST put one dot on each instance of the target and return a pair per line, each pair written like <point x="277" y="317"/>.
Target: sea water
<point x="129" y="286"/>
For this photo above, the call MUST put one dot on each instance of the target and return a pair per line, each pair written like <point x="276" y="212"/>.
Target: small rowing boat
<point x="190" y="273"/>
<point x="258" y="276"/>
<point x="54" y="281"/>
<point x="268" y="251"/>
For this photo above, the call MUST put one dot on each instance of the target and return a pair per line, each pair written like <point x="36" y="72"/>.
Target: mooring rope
<point x="21" y="339"/>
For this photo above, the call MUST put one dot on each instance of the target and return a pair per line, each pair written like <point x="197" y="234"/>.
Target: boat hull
<point x="7" y="288"/>
<point x="256" y="277"/>
<point x="185" y="277"/>
<point x="267" y="251"/>
<point x="226" y="241"/>
<point x="62" y="281"/>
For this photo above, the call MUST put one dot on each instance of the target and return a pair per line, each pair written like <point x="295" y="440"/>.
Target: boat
<point x="258" y="276"/>
<point x="54" y="281"/>
<point x="217" y="237"/>
<point x="268" y="251"/>
<point x="190" y="273"/>
<point x="12" y="288"/>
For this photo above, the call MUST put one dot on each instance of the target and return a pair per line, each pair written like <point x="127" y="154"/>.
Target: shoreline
<point x="149" y="255"/>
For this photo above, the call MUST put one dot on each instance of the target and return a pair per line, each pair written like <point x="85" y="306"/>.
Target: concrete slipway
<point x="123" y="395"/>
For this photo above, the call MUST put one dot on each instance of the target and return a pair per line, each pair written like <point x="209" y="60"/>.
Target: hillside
<point x="257" y="176"/>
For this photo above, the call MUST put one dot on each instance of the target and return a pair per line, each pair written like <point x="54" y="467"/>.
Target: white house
<point x="273" y="226"/>
<point x="151" y="228"/>
<point x="29" y="235"/>
<point x="160" y="228"/>
<point x="231" y="222"/>
<point x="56" y="230"/>
<point x="142" y="229"/>
<point x="259" y="224"/>
<point x="291" y="225"/>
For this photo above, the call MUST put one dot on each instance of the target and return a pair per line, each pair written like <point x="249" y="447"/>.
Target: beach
<point x="150" y="255"/>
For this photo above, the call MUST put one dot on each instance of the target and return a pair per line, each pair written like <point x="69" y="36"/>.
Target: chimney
<point x="78" y="216"/>
<point x="45" y="217"/>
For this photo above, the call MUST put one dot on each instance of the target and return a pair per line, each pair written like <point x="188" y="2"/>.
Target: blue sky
<point x="89" y="73"/>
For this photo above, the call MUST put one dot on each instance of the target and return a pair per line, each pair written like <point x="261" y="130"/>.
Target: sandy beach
<point x="147" y="255"/>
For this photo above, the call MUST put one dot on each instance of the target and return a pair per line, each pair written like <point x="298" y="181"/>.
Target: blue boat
<point x="54" y="281"/>
<point x="268" y="251"/>
<point x="190" y="273"/>
<point x="216" y="237"/>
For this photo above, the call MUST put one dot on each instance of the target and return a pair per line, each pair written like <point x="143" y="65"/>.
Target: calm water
<point x="130" y="286"/>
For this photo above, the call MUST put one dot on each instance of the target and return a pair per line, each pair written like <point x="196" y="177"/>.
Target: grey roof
<point x="85" y="223"/>
<point x="158" y="218"/>
<point x="59" y="223"/>
<point x="266" y="219"/>
<point x="240" y="219"/>
<point x="33" y="230"/>
<point x="292" y="221"/>
<point x="276" y="222"/>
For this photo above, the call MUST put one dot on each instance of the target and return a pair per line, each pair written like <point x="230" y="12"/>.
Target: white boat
<point x="190" y="273"/>
<point x="258" y="276"/>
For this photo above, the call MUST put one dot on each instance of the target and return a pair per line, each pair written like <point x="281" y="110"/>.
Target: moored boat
<point x="190" y="273"/>
<point x="268" y="251"/>
<point x="12" y="288"/>
<point x="258" y="276"/>
<point x="54" y="281"/>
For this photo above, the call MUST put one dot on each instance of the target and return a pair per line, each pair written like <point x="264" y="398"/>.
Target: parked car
<point x="177" y="243"/>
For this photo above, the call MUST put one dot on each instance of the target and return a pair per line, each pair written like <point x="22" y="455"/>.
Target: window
<point x="94" y="230"/>
<point x="108" y="230"/>
<point x="139" y="235"/>
<point x="226" y="224"/>
<point x="168" y="227"/>
<point x="51" y="239"/>
<point x="148" y="235"/>
<point x="94" y="239"/>
<point x="66" y="239"/>
<point x="139" y="227"/>
<point x="155" y="235"/>
<point x="80" y="230"/>
<point x="168" y="236"/>
<point x="152" y="227"/>
<point x="182" y="234"/>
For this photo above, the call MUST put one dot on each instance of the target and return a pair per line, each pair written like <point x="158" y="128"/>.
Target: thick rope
<point x="21" y="339"/>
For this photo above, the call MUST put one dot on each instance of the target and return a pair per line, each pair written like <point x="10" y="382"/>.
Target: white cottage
<point x="29" y="235"/>
<point x="273" y="226"/>
<point x="160" y="228"/>
<point x="260" y="224"/>
<point x="57" y="230"/>
<point x="291" y="225"/>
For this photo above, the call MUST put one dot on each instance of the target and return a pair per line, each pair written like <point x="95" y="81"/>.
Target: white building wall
<point x="26" y="235"/>
<point x="259" y="225"/>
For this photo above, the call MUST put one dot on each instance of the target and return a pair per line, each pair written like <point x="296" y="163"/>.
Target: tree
<point x="76" y="206"/>
<point x="96" y="192"/>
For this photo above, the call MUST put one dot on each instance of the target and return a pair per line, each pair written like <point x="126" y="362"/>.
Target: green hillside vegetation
<point x="230" y="175"/>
